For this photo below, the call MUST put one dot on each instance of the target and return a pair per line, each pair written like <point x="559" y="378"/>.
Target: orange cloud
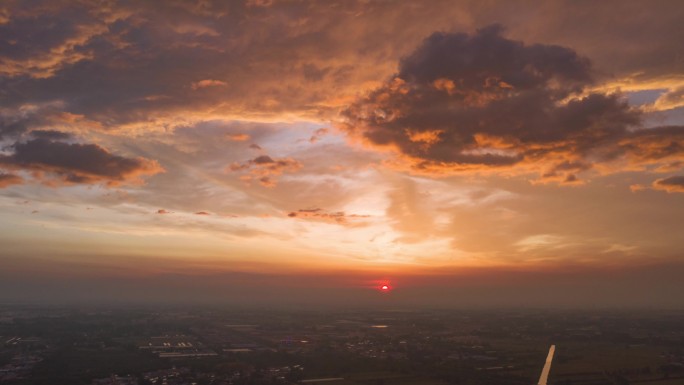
<point x="338" y="217"/>
<point x="427" y="137"/>
<point x="264" y="168"/>
<point x="208" y="83"/>
<point x="671" y="184"/>
<point x="317" y="135"/>
<point x="238" y="137"/>
<point x="267" y="181"/>
<point x="9" y="180"/>
<point x="672" y="99"/>
<point x="67" y="49"/>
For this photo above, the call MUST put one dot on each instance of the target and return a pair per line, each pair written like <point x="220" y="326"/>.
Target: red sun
<point x="381" y="285"/>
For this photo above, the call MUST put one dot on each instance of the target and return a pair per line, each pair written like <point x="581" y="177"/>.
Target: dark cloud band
<point x="75" y="163"/>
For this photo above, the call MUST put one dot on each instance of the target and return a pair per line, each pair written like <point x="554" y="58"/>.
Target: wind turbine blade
<point x="547" y="366"/>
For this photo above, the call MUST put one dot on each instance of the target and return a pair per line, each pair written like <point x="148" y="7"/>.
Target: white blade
<point x="547" y="366"/>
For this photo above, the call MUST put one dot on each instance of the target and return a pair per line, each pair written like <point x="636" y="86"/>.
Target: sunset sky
<point x="467" y="152"/>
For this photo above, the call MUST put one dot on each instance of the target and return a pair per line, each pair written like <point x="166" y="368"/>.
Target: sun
<point x="381" y="285"/>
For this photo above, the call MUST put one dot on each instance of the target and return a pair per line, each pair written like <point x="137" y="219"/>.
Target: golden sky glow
<point x="342" y="142"/>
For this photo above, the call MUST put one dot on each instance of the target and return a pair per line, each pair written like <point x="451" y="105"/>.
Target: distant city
<point x="51" y="345"/>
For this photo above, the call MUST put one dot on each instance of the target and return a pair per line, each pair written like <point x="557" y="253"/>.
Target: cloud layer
<point x="380" y="135"/>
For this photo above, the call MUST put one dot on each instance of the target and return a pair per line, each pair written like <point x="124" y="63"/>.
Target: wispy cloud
<point x="264" y="169"/>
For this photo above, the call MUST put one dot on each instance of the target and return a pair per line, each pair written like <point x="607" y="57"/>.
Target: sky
<point x="468" y="153"/>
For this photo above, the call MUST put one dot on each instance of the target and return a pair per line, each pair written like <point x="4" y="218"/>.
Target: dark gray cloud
<point x="11" y="128"/>
<point x="313" y="73"/>
<point x="50" y="135"/>
<point x="55" y="161"/>
<point x="482" y="61"/>
<point x="56" y="157"/>
<point x="263" y="168"/>
<point x="483" y="102"/>
<point x="337" y="217"/>
<point x="670" y="184"/>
